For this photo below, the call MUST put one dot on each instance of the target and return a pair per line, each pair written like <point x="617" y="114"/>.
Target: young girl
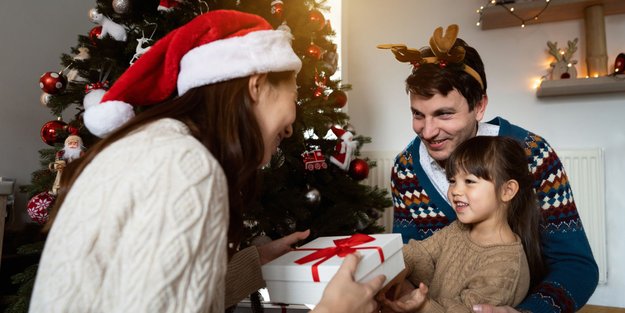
<point x="149" y="218"/>
<point x="491" y="254"/>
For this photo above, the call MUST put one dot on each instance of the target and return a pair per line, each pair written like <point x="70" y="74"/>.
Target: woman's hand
<point x="273" y="249"/>
<point x="344" y="295"/>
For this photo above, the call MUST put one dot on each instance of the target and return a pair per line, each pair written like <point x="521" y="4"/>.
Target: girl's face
<point x="474" y="199"/>
<point x="275" y="109"/>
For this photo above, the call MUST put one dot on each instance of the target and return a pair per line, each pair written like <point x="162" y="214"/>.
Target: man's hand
<point x="278" y="247"/>
<point x="487" y="308"/>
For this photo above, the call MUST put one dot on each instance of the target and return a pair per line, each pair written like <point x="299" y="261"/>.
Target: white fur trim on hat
<point x="257" y="52"/>
<point x="101" y="119"/>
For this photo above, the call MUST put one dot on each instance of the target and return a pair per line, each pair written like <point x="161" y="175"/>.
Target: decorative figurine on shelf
<point x="563" y="67"/>
<point x="72" y="150"/>
<point x="344" y="150"/>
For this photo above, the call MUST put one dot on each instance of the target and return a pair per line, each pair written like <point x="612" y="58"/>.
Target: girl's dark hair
<point x="220" y="116"/>
<point x="499" y="159"/>
<point x="429" y="79"/>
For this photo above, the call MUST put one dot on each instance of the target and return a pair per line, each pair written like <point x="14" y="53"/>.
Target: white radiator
<point x="585" y="169"/>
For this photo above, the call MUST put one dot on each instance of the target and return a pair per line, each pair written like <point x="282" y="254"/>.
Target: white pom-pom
<point x="104" y="118"/>
<point x="92" y="98"/>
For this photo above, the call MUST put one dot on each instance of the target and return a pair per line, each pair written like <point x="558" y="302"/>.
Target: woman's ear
<point x="255" y="85"/>
<point x="509" y="190"/>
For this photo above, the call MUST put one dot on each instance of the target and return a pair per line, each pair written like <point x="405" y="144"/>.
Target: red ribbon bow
<point x="98" y="85"/>
<point x="342" y="248"/>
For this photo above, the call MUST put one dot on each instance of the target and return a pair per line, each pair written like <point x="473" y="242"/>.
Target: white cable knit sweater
<point x="144" y="229"/>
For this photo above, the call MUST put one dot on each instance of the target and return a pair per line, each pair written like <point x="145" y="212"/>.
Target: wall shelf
<point x="558" y="10"/>
<point x="578" y="86"/>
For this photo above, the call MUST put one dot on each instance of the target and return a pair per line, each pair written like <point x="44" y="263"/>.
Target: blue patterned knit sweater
<point x="419" y="211"/>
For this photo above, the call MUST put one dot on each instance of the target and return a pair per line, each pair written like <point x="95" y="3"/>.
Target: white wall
<point x="33" y="34"/>
<point x="514" y="59"/>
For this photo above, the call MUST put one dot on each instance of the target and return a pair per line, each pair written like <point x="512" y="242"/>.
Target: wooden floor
<point x="600" y="309"/>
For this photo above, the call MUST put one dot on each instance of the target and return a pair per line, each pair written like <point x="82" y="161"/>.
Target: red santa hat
<point x="341" y="133"/>
<point x="213" y="47"/>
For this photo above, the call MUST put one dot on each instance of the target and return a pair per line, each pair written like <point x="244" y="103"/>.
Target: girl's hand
<point x="410" y="302"/>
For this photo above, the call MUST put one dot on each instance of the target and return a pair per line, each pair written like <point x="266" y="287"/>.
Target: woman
<point x="149" y="217"/>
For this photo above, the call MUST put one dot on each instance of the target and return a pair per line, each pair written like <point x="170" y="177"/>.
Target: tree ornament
<point x="314" y="160"/>
<point x="313" y="197"/>
<point x="314" y="51"/>
<point x="316" y="20"/>
<point x="45" y="98"/>
<point x="39" y="206"/>
<point x="140" y="49"/>
<point x="121" y="6"/>
<point x="50" y="131"/>
<point x="332" y="58"/>
<point x="277" y="9"/>
<point x="94" y="34"/>
<point x="73" y="75"/>
<point x="358" y="169"/>
<point x="320" y="83"/>
<point x="52" y="82"/>
<point x="338" y="97"/>
<point x="109" y="28"/>
<point x="167" y="5"/>
<point x="344" y="149"/>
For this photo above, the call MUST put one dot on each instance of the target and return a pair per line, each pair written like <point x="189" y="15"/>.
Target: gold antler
<point x="442" y="44"/>
<point x="403" y="53"/>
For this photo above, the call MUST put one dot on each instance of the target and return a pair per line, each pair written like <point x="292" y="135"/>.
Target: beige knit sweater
<point x="144" y="229"/>
<point x="461" y="273"/>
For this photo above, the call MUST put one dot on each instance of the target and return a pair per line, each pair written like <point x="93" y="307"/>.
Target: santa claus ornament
<point x="344" y="149"/>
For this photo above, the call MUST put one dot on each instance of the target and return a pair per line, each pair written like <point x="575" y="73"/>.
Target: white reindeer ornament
<point x="563" y="67"/>
<point x="140" y="49"/>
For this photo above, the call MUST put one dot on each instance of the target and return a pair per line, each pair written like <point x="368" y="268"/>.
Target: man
<point x="447" y="90"/>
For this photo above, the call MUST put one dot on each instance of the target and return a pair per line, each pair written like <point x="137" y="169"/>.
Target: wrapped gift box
<point x="300" y="276"/>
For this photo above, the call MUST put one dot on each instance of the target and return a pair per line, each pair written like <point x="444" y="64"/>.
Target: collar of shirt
<point x="435" y="172"/>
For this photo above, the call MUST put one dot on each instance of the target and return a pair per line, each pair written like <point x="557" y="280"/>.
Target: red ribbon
<point x="98" y="85"/>
<point x="342" y="248"/>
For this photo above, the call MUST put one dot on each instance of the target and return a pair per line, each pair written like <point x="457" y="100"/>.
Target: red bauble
<point x="619" y="64"/>
<point x="52" y="82"/>
<point x="358" y="169"/>
<point x="94" y="34"/>
<point x="339" y="98"/>
<point x="316" y="20"/>
<point x="314" y="51"/>
<point x="50" y="132"/>
<point x="277" y="9"/>
<point x="39" y="206"/>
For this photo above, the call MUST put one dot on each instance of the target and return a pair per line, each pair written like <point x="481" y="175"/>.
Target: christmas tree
<point x="313" y="182"/>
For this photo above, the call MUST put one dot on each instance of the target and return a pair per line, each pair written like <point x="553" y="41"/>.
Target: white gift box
<point x="290" y="282"/>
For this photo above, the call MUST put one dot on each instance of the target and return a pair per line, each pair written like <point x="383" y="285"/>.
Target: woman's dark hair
<point x="429" y="79"/>
<point x="500" y="159"/>
<point x="220" y="116"/>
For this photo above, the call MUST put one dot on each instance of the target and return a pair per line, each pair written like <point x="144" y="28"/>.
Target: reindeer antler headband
<point x="443" y="48"/>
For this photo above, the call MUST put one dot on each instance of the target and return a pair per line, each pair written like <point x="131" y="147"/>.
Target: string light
<point x="509" y="9"/>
